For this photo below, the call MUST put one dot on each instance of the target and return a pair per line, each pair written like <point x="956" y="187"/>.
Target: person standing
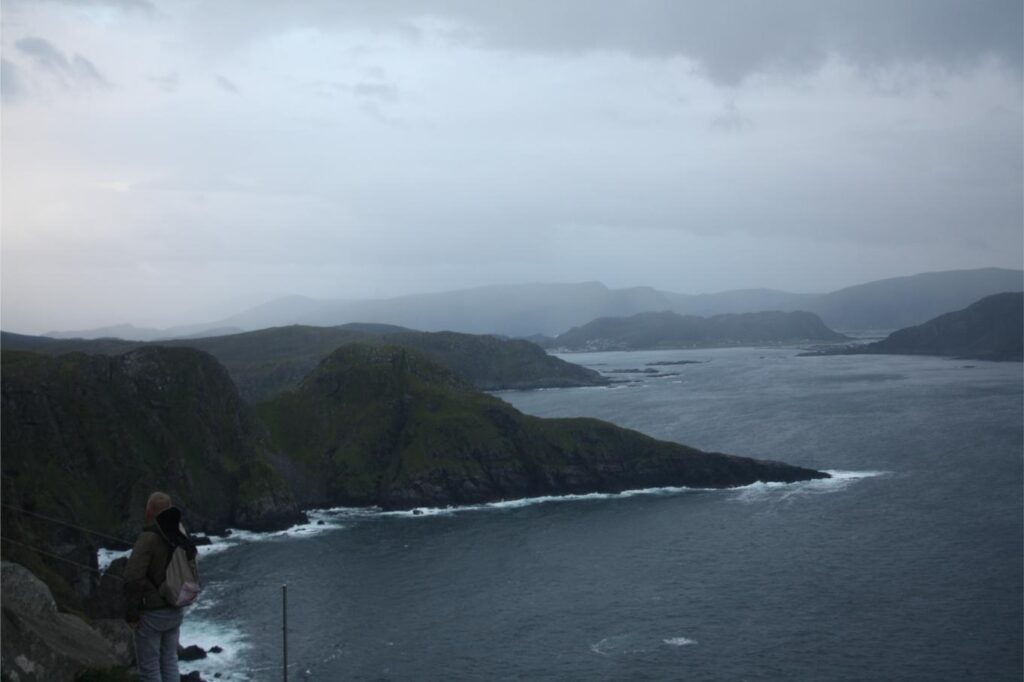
<point x="156" y="622"/>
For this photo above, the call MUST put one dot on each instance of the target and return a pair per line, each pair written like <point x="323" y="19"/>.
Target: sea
<point x="906" y="565"/>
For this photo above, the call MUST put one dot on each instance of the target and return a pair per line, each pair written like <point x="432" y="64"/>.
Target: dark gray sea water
<point x="907" y="566"/>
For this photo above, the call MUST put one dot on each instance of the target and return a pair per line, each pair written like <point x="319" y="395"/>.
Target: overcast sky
<point x="165" y="161"/>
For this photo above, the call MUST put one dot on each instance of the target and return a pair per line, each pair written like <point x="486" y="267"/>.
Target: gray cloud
<point x="730" y="120"/>
<point x="732" y="40"/>
<point x="76" y="71"/>
<point x="167" y="82"/>
<point x="227" y="85"/>
<point x="385" y="92"/>
<point x="631" y="143"/>
<point x="128" y="5"/>
<point x="12" y="89"/>
<point x="728" y="39"/>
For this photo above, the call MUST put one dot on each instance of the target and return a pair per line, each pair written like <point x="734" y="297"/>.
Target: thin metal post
<point x="284" y="627"/>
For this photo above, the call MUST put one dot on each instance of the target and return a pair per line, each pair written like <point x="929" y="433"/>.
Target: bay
<point x="907" y="565"/>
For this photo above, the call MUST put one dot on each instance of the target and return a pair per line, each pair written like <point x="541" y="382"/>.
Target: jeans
<point x="156" y="645"/>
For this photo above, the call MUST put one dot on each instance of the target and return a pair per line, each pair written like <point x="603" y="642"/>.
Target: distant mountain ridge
<point x="649" y="331"/>
<point x="550" y="309"/>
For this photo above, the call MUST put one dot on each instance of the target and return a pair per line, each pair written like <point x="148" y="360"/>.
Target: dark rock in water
<point x="214" y="650"/>
<point x="321" y="522"/>
<point x="417" y="512"/>
<point x="39" y="643"/>
<point x="193" y="676"/>
<point x="674" y="362"/>
<point x="191" y="653"/>
<point x="633" y="371"/>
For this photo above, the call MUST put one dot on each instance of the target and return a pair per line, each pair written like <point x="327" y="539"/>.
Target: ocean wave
<point x="617" y="644"/>
<point x="630" y="643"/>
<point x="208" y="634"/>
<point x="840" y="480"/>
<point x="320" y="521"/>
<point x="330" y="519"/>
<point x="679" y="641"/>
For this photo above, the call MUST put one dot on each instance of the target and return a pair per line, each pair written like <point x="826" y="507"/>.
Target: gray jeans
<point x="156" y="645"/>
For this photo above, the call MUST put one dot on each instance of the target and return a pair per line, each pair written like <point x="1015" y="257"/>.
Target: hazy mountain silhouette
<point x="550" y="309"/>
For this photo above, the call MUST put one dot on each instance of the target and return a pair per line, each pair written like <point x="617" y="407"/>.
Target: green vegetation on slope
<point x="87" y="438"/>
<point x="264" y="363"/>
<point x="386" y="425"/>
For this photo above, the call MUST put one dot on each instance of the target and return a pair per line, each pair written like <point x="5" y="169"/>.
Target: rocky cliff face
<point x="87" y="438"/>
<point x="385" y="425"/>
<point x="80" y="430"/>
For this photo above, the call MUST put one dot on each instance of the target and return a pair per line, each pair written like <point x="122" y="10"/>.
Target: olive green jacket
<point x="145" y="572"/>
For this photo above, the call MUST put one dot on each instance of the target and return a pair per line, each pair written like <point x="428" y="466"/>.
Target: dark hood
<point x="169" y="524"/>
<point x="168" y="521"/>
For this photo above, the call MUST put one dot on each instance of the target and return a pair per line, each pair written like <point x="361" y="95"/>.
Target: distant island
<point x="990" y="329"/>
<point x="646" y="331"/>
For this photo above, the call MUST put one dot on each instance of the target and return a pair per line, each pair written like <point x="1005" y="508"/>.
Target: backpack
<point x="181" y="585"/>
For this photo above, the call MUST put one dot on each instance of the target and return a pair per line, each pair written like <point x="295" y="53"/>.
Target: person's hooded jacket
<point x="147" y="566"/>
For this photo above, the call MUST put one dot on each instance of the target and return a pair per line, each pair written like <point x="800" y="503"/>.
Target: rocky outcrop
<point x="387" y="426"/>
<point x="41" y="643"/>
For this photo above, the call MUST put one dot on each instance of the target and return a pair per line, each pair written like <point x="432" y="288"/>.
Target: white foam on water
<point x="618" y="645"/>
<point x="105" y="557"/>
<point x="207" y="634"/>
<point x="840" y="480"/>
<point x="679" y="641"/>
<point x="522" y="502"/>
<point x="323" y="521"/>
<point x="204" y="603"/>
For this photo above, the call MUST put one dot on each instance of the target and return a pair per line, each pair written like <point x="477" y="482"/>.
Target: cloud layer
<point x="161" y="157"/>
